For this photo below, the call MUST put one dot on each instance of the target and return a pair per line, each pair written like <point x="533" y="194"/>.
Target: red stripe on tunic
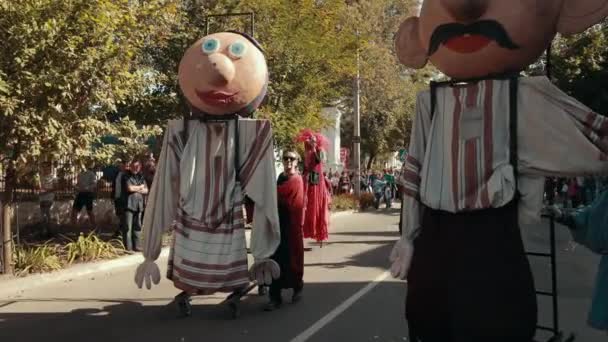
<point x="488" y="140"/>
<point x="472" y="92"/>
<point x="192" y="290"/>
<point x="207" y="174"/>
<point x="217" y="195"/>
<point x="254" y="155"/>
<point x="455" y="145"/>
<point x="258" y="158"/>
<point x="470" y="173"/>
<point x="214" y="267"/>
<point x="413" y="161"/>
<point x="603" y="131"/>
<point x="411" y="177"/>
<point x="210" y="278"/>
<point x="411" y="193"/>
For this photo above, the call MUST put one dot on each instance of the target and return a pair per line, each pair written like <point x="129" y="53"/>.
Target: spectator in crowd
<point x="149" y="169"/>
<point x="119" y="195"/>
<point x="87" y="187"/>
<point x="344" y="183"/>
<point x="47" y="183"/>
<point x="136" y="189"/>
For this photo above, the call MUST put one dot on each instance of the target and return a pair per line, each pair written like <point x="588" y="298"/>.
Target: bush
<point x="366" y="200"/>
<point x="344" y="202"/>
<point x="91" y="247"/>
<point x="36" y="258"/>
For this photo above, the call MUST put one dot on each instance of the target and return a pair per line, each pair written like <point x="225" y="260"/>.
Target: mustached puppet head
<point x="224" y="73"/>
<point x="476" y="38"/>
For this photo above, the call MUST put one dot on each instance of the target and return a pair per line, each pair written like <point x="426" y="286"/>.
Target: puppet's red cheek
<point x="467" y="44"/>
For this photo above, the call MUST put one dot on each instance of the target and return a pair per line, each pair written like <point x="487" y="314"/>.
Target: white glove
<point x="148" y="271"/>
<point x="264" y="271"/>
<point x="401" y="257"/>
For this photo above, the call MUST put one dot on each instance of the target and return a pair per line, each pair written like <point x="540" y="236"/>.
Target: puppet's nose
<point x="222" y="69"/>
<point x="466" y="10"/>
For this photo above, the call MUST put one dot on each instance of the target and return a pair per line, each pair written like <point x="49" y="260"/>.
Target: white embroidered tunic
<point x="197" y="192"/>
<point x="459" y="160"/>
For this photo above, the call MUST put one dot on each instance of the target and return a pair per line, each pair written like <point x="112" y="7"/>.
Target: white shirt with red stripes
<point x="197" y="178"/>
<point x="459" y="160"/>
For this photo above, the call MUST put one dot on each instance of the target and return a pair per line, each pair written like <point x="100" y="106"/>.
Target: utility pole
<point x="357" y="135"/>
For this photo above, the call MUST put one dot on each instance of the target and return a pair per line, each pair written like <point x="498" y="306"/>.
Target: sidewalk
<point x="11" y="287"/>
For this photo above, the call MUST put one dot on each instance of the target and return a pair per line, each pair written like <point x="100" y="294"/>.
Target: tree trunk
<point x="371" y="160"/>
<point x="7" y="233"/>
<point x="7" y="237"/>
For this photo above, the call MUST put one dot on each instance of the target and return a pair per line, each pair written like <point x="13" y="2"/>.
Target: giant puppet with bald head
<point x="209" y="162"/>
<point x="480" y="148"/>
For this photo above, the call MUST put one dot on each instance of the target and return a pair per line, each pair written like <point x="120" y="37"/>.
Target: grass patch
<point x="90" y="247"/>
<point x="36" y="258"/>
<point x="344" y="202"/>
<point x="53" y="255"/>
<point x="366" y="200"/>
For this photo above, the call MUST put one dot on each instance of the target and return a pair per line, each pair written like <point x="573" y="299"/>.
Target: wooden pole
<point x="7" y="238"/>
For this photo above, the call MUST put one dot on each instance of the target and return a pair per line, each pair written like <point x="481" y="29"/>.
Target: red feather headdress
<point x="306" y="134"/>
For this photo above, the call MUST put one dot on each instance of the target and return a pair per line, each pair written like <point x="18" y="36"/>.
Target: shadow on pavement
<point x="136" y="321"/>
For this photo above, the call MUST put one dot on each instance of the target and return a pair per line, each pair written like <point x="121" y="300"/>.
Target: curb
<point x="13" y="287"/>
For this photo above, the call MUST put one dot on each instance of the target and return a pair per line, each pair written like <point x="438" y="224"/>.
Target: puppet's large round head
<point x="476" y="38"/>
<point x="224" y="73"/>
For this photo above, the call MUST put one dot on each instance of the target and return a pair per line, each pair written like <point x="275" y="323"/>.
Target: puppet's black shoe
<point x="183" y="304"/>
<point x="297" y="296"/>
<point x="235" y="310"/>
<point x="273" y="305"/>
<point x="261" y="290"/>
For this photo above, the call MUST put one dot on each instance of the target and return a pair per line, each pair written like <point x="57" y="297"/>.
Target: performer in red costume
<point x="290" y="254"/>
<point x="316" y="220"/>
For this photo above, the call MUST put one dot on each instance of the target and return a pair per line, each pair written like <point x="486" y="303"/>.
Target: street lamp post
<point x="357" y="135"/>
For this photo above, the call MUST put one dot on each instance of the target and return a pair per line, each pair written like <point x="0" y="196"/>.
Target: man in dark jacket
<point x="135" y="186"/>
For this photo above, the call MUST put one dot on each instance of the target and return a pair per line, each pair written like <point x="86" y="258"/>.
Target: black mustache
<point x="489" y="28"/>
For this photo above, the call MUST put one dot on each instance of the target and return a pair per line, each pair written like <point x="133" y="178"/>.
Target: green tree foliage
<point x="64" y="65"/>
<point x="581" y="66"/>
<point x="388" y="90"/>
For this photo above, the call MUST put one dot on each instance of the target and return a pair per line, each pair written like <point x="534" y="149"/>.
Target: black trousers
<point x="470" y="280"/>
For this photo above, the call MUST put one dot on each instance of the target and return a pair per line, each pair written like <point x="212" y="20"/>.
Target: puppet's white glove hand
<point x="147" y="271"/>
<point x="401" y="257"/>
<point x="264" y="271"/>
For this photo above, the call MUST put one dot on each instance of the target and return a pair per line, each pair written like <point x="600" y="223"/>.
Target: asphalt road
<point x="347" y="297"/>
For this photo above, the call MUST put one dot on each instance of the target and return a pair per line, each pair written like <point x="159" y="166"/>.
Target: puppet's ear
<point x="408" y="46"/>
<point x="578" y="15"/>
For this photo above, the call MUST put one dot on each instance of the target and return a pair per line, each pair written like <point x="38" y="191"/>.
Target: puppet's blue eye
<point x="237" y="49"/>
<point x="211" y="45"/>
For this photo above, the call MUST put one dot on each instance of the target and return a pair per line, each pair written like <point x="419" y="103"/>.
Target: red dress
<point x="316" y="218"/>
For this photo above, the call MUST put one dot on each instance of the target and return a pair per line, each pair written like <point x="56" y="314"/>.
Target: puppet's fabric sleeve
<point x="409" y="178"/>
<point x="164" y="193"/>
<point x="559" y="136"/>
<point x="258" y="178"/>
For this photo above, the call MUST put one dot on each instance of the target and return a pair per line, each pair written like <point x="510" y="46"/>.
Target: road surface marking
<point x="306" y="334"/>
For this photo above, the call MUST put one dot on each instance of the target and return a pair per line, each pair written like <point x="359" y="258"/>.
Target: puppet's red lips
<point x="216" y="98"/>
<point x="467" y="43"/>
